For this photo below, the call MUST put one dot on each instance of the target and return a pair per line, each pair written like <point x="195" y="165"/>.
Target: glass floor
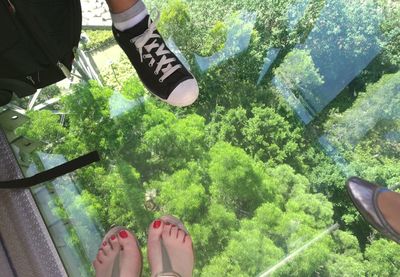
<point x="295" y="97"/>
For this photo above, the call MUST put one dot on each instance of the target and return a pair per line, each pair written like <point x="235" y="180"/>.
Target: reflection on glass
<point x="295" y="102"/>
<point x="298" y="251"/>
<point x="345" y="39"/>
<point x="75" y="234"/>
<point x="334" y="153"/>
<point x="373" y="115"/>
<point x="393" y="136"/>
<point x="174" y="48"/>
<point x="238" y="39"/>
<point x="380" y="102"/>
<point x="296" y="12"/>
<point x="119" y="104"/>
<point x="269" y="59"/>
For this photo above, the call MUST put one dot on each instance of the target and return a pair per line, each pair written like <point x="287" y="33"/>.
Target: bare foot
<point x="130" y="258"/>
<point x="105" y="258"/>
<point x="178" y="247"/>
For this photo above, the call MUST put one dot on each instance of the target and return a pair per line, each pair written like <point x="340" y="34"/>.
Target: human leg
<point x="158" y="68"/>
<point x="118" y="6"/>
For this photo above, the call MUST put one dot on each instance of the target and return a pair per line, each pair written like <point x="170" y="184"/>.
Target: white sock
<point x="130" y="17"/>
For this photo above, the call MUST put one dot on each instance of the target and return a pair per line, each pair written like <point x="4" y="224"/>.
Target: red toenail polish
<point x="123" y="234"/>
<point x="113" y="237"/>
<point x="104" y="243"/>
<point x="156" y="224"/>
<point x="173" y="225"/>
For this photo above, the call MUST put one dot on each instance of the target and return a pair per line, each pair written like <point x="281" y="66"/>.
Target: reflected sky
<point x="238" y="40"/>
<point x="119" y="104"/>
<point x="393" y="136"/>
<point x="335" y="155"/>
<point x="357" y="121"/>
<point x="296" y="12"/>
<point x="344" y="62"/>
<point x="293" y="101"/>
<point x="341" y="45"/>
<point x="269" y="59"/>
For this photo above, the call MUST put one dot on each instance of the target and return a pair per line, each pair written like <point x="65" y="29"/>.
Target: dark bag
<point x="37" y="45"/>
<point x="38" y="39"/>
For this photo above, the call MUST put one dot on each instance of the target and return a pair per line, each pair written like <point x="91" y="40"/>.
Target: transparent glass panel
<point x="295" y="97"/>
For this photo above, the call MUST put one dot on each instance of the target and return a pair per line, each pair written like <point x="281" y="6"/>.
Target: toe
<point x="174" y="231"/>
<point x="180" y="235"/>
<point x="106" y="248"/>
<point x="154" y="251"/>
<point x="113" y="241"/>
<point x="127" y="240"/>
<point x="187" y="240"/>
<point x="106" y="255"/>
<point x="169" y="219"/>
<point x="96" y="263"/>
<point x="130" y="262"/>
<point x="155" y="230"/>
<point x="100" y="258"/>
<point x="166" y="232"/>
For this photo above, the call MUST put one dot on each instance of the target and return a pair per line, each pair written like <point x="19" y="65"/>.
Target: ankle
<point x="129" y="17"/>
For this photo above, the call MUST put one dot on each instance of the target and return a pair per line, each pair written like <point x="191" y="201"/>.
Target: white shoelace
<point x="143" y="41"/>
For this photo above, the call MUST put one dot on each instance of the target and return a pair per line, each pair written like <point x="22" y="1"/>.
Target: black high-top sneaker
<point x="158" y="68"/>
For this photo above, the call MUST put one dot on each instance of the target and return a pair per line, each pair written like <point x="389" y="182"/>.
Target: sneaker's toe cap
<point x="184" y="94"/>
